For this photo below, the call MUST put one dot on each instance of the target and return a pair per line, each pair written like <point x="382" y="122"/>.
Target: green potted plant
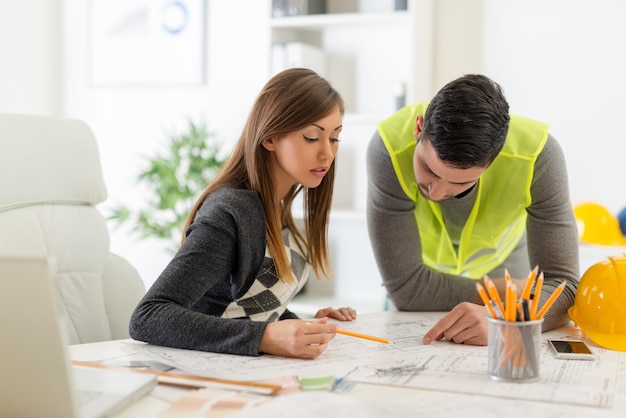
<point x="175" y="179"/>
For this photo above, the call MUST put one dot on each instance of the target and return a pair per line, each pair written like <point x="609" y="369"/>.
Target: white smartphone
<point x="571" y="349"/>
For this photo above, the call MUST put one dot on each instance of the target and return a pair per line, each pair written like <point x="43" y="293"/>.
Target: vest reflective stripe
<point x="496" y="222"/>
<point x="482" y="259"/>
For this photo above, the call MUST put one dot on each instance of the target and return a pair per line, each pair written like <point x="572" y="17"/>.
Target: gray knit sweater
<point x="551" y="240"/>
<point x="218" y="262"/>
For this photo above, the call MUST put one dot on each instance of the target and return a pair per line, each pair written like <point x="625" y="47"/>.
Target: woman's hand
<point x="297" y="338"/>
<point x="342" y="314"/>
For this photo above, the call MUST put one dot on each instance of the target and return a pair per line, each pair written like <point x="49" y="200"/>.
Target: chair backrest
<point x="50" y="183"/>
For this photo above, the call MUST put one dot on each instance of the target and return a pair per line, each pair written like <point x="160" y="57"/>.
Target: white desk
<point x="378" y="400"/>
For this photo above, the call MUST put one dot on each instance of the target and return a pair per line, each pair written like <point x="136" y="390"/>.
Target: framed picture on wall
<point x="147" y="42"/>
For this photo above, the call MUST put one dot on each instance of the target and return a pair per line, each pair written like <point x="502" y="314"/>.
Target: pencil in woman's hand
<point x="364" y="336"/>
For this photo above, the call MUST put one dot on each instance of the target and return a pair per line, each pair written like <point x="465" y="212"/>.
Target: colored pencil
<point x="538" y="286"/>
<point x="529" y="283"/>
<point x="557" y="292"/>
<point x="493" y="293"/>
<point x="364" y="336"/>
<point x="485" y="299"/>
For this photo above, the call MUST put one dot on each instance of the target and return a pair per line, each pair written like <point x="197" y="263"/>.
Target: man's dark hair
<point x="467" y="122"/>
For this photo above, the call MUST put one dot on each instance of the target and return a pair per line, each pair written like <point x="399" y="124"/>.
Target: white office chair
<point x="50" y="182"/>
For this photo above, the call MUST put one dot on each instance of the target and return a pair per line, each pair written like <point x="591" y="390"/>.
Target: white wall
<point x="562" y="61"/>
<point x="30" y="63"/>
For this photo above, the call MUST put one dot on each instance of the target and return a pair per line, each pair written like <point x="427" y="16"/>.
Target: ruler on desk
<point x="192" y="381"/>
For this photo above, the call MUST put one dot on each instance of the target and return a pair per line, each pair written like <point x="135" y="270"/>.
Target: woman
<point x="242" y="258"/>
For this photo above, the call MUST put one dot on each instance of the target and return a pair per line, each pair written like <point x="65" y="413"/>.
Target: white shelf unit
<point x="370" y="57"/>
<point x="328" y="20"/>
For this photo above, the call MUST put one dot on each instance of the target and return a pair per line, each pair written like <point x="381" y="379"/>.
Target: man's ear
<point x="419" y="121"/>
<point x="269" y="144"/>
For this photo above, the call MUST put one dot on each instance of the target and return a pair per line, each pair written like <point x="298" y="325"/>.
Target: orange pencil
<point x="537" y="296"/>
<point x="493" y="293"/>
<point x="364" y="336"/>
<point x="483" y="296"/>
<point x="508" y="303"/>
<point x="514" y="302"/>
<point x="529" y="283"/>
<point x="511" y="302"/>
<point x="557" y="292"/>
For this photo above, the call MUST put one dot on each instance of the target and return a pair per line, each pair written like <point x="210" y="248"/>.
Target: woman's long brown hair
<point x="289" y="101"/>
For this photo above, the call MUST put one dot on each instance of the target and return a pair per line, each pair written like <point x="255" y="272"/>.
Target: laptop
<point x="38" y="379"/>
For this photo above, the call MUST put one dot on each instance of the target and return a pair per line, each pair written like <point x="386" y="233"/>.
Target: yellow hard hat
<point x="600" y="305"/>
<point x="596" y="225"/>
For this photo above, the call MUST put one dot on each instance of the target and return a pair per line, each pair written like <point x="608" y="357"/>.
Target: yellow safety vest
<point x="497" y="221"/>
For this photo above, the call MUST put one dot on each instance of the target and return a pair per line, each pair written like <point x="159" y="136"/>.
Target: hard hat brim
<point x="604" y="339"/>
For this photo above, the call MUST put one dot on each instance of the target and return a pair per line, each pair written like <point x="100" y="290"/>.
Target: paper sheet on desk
<point x="576" y="382"/>
<point x="452" y="367"/>
<point x="327" y="405"/>
<point x="344" y="353"/>
<point x="371" y="401"/>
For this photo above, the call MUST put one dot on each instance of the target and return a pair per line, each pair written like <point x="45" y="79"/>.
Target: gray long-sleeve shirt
<point x="551" y="240"/>
<point x="218" y="262"/>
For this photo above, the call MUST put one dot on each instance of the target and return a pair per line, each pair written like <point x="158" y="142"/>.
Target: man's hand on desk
<point x="466" y="323"/>
<point x="297" y="338"/>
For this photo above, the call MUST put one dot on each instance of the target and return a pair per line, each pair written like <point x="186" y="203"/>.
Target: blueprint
<point x="407" y="362"/>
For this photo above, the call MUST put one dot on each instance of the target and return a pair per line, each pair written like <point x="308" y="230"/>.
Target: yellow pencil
<point x="493" y="293"/>
<point x="529" y="283"/>
<point x="507" y="300"/>
<point x="483" y="296"/>
<point x="557" y="292"/>
<point x="533" y="310"/>
<point x="364" y="336"/>
<point x="514" y="302"/>
<point x="510" y="304"/>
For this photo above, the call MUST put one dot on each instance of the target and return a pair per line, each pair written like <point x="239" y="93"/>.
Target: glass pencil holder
<point x="514" y="350"/>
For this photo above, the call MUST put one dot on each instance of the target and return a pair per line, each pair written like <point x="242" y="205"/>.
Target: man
<point x="459" y="189"/>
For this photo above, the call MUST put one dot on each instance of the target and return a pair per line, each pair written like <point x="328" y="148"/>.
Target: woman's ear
<point x="269" y="144"/>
